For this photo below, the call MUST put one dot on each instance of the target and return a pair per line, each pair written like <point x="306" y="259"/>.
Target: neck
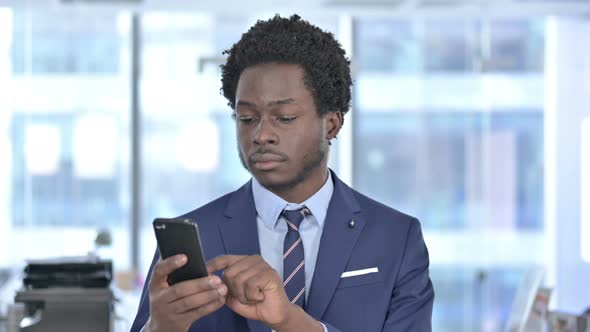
<point x="305" y="189"/>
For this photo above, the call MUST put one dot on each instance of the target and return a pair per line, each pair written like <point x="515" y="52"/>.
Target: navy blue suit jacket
<point x="399" y="297"/>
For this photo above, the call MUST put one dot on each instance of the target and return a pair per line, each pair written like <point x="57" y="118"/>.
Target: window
<point x="449" y="128"/>
<point x="585" y="198"/>
<point x="65" y="132"/>
<point x="458" y="101"/>
<point x="65" y="42"/>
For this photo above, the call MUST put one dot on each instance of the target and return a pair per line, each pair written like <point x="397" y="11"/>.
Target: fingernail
<point x="214" y="281"/>
<point x="181" y="259"/>
<point x="222" y="290"/>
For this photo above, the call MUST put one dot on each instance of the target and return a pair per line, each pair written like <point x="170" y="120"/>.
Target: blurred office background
<point x="473" y="116"/>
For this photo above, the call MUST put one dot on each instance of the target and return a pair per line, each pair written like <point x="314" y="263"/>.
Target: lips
<point x="265" y="157"/>
<point x="266" y="161"/>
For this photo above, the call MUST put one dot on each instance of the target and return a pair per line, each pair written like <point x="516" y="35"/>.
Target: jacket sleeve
<point x="410" y="308"/>
<point x="329" y="328"/>
<point x="143" y="311"/>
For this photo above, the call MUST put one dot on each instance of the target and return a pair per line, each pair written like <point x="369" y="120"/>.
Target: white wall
<point x="5" y="147"/>
<point x="567" y="104"/>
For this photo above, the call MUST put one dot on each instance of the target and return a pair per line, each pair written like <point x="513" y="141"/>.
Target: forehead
<point x="272" y="81"/>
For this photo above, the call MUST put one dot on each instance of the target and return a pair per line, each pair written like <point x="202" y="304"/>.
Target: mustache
<point x="266" y="154"/>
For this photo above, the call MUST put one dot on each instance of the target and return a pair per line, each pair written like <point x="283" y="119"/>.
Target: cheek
<point x="305" y="145"/>
<point x="242" y="136"/>
<point x="243" y="148"/>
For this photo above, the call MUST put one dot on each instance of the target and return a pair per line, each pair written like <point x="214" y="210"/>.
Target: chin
<point x="274" y="181"/>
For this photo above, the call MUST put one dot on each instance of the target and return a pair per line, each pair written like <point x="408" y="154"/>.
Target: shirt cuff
<point x="324" y="325"/>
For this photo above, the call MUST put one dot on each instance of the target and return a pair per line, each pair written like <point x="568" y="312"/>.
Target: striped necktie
<point x="293" y="257"/>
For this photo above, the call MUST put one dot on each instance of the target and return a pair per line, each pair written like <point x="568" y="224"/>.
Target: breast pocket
<point x="360" y="280"/>
<point x="357" y="303"/>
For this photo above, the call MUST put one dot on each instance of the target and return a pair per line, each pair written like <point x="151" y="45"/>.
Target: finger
<point x="255" y="285"/>
<point x="243" y="273"/>
<point x="204" y="310"/>
<point x="190" y="287"/>
<point x="235" y="305"/>
<point x="222" y="262"/>
<point x="198" y="300"/>
<point x="253" y="290"/>
<point x="163" y="268"/>
<point x="247" y="262"/>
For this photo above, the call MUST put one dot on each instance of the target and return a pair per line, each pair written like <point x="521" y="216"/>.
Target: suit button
<point x="351" y="224"/>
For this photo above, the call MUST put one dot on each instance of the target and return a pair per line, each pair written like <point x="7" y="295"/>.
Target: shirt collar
<point x="269" y="206"/>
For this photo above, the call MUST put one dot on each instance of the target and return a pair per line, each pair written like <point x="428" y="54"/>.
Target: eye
<point x="246" y="119"/>
<point x="286" y="119"/>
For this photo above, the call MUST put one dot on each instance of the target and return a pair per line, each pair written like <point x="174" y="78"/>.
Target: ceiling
<point x="358" y="7"/>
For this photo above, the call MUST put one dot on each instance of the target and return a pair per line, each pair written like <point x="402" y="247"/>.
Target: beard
<point x="311" y="161"/>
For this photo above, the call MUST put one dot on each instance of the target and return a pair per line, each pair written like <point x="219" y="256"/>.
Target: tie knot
<point x="294" y="217"/>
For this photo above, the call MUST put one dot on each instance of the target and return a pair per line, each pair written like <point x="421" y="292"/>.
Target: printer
<point x="66" y="295"/>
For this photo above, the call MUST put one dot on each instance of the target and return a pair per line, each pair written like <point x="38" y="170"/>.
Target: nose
<point x="265" y="133"/>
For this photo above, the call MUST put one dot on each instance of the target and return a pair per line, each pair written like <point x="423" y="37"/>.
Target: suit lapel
<point x="336" y="245"/>
<point x="239" y="233"/>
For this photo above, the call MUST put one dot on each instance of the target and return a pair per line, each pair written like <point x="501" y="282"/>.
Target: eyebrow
<point x="281" y="102"/>
<point x="272" y="103"/>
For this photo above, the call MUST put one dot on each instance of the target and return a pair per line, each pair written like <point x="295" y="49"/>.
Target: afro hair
<point x="293" y="41"/>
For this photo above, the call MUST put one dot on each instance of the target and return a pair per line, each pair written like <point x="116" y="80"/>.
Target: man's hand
<point x="176" y="307"/>
<point x="256" y="292"/>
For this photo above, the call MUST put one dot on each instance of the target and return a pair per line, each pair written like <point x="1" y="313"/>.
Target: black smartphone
<point x="181" y="236"/>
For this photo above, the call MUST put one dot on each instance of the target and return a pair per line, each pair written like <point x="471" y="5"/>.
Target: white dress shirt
<point x="272" y="228"/>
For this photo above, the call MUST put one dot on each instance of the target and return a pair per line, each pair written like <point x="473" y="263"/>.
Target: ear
<point x="333" y="123"/>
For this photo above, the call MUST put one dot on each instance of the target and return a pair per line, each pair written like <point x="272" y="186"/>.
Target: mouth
<point x="266" y="161"/>
<point x="266" y="165"/>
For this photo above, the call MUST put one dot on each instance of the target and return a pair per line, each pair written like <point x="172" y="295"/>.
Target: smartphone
<point x="181" y="236"/>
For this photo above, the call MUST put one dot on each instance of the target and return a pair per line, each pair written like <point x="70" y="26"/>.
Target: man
<point x="294" y="249"/>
